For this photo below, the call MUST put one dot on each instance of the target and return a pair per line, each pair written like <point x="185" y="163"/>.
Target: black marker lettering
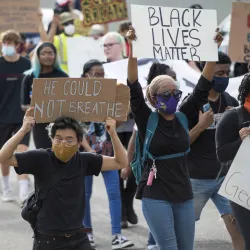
<point x="183" y="52"/>
<point x="167" y="54"/>
<point x="158" y="51"/>
<point x="174" y="18"/>
<point x="162" y="24"/>
<point x="195" y="38"/>
<point x="195" y="17"/>
<point x="185" y="36"/>
<point x="183" y="18"/>
<point x="176" y="37"/>
<point x="151" y="12"/>
<point x="153" y="36"/>
<point x="193" y="52"/>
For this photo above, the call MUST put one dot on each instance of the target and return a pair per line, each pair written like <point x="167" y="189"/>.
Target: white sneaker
<point x="120" y="242"/>
<point x="91" y="239"/>
<point x="152" y="247"/>
<point x="7" y="196"/>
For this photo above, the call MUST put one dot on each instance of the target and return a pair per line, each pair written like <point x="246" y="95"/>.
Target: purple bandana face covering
<point x="167" y="106"/>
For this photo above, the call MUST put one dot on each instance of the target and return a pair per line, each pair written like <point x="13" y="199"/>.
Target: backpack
<point x="137" y="163"/>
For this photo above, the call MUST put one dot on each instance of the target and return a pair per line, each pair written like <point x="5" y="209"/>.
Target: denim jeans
<point x="111" y="180"/>
<point x="171" y="224"/>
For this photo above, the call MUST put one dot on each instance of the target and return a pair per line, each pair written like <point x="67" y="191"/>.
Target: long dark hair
<point x="244" y="89"/>
<point x="89" y="65"/>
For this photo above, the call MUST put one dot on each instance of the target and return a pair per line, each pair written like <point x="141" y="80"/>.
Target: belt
<point x="41" y="235"/>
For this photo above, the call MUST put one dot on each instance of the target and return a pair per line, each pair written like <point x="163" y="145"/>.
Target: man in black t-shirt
<point x="12" y="66"/>
<point x="59" y="221"/>
<point x="204" y="167"/>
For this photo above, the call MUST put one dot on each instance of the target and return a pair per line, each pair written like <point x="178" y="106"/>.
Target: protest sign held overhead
<point x="99" y="11"/>
<point x="239" y="42"/>
<point x="21" y="16"/>
<point x="87" y="99"/>
<point x="236" y="185"/>
<point x="174" y="33"/>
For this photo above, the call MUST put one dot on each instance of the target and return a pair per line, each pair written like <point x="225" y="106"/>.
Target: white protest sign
<point x="80" y="50"/>
<point x="236" y="186"/>
<point x="174" y="33"/>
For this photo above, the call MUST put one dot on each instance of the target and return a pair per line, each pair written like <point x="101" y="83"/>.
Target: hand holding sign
<point x="218" y="38"/>
<point x="110" y="126"/>
<point x="131" y="36"/>
<point x="244" y="132"/>
<point x="28" y="120"/>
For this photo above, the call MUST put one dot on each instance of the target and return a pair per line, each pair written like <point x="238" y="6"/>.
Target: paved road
<point x="15" y="233"/>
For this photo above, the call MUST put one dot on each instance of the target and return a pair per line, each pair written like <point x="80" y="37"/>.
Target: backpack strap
<point x="150" y="130"/>
<point x="184" y="122"/>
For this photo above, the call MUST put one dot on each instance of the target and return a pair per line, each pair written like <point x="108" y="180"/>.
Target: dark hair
<point x="124" y="26"/>
<point x="157" y="69"/>
<point x="44" y="45"/>
<point x="196" y="6"/>
<point x="223" y="59"/>
<point x="11" y="36"/>
<point x="244" y="89"/>
<point x="89" y="65"/>
<point x="67" y="123"/>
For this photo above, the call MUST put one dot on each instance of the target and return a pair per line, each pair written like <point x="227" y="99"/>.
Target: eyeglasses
<point x="109" y="45"/>
<point x="176" y="94"/>
<point x="68" y="142"/>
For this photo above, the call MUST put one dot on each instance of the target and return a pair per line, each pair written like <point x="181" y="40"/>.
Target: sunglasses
<point x="167" y="94"/>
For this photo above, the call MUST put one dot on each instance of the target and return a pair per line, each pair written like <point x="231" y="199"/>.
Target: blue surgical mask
<point x="8" y="50"/>
<point x="220" y="84"/>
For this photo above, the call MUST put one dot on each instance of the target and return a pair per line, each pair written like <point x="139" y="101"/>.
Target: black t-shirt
<point x="172" y="183"/>
<point x="228" y="139"/>
<point x="202" y="159"/>
<point x="28" y="81"/>
<point x="11" y="75"/>
<point x="63" y="209"/>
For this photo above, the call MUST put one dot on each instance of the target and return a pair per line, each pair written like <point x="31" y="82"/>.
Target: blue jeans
<point x="171" y="224"/>
<point x="112" y="183"/>
<point x="204" y="190"/>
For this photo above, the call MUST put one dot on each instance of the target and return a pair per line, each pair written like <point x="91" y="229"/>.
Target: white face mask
<point x="69" y="29"/>
<point x="8" y="50"/>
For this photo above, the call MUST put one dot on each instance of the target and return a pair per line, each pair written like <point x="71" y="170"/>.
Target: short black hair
<point x="244" y="89"/>
<point x="67" y="123"/>
<point x="223" y="59"/>
<point x="196" y="6"/>
<point x="89" y="65"/>
<point x="157" y="69"/>
<point x="124" y="26"/>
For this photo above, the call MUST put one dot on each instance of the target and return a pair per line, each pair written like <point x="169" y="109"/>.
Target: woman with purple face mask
<point x="167" y="203"/>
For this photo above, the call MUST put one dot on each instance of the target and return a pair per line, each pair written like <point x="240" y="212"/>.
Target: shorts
<point x="8" y="130"/>
<point x="203" y="190"/>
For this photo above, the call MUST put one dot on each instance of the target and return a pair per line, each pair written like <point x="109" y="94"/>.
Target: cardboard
<point x="80" y="50"/>
<point x="88" y="100"/>
<point x="100" y="12"/>
<point x="239" y="41"/>
<point x="19" y="15"/>
<point x="174" y="33"/>
<point x="236" y="186"/>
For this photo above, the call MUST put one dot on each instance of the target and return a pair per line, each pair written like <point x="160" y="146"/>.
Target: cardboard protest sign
<point x="236" y="186"/>
<point x="174" y="33"/>
<point x="239" y="42"/>
<point x="99" y="11"/>
<point x="80" y="50"/>
<point x="84" y="99"/>
<point x="21" y="16"/>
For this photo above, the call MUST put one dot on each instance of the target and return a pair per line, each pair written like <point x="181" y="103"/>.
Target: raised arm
<point x="7" y="156"/>
<point x="120" y="160"/>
